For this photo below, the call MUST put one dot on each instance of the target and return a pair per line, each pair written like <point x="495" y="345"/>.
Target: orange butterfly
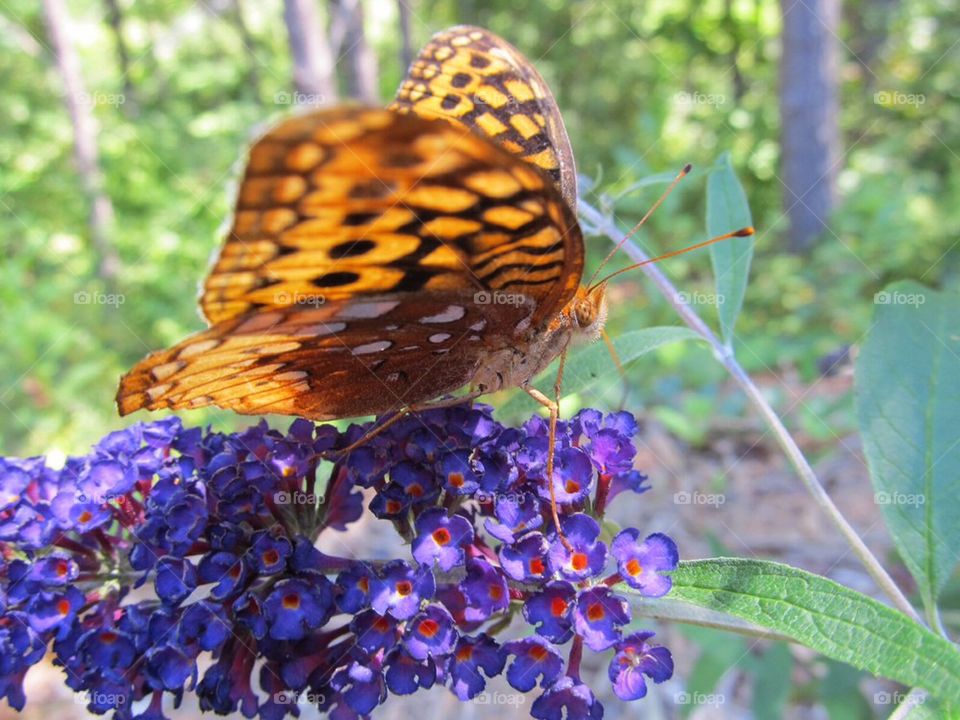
<point x="380" y="259"/>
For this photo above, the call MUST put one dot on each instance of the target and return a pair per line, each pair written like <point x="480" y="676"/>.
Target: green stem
<point x="605" y="226"/>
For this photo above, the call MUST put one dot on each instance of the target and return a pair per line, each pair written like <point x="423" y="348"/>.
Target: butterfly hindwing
<point x="342" y="359"/>
<point x="470" y="76"/>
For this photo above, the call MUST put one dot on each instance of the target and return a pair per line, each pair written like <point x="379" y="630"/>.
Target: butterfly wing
<point x="340" y="359"/>
<point x="368" y="251"/>
<point x="470" y="76"/>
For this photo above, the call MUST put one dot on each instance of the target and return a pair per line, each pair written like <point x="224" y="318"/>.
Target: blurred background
<point x="121" y="124"/>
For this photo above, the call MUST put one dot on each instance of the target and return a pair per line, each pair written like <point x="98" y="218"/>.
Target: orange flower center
<point x="404" y="588"/>
<point x="441" y="536"/>
<point x="596" y="612"/>
<point x="428" y="628"/>
<point x="558" y="607"/>
<point x="578" y="561"/>
<point x="455" y="479"/>
<point x="634" y="567"/>
<point x="291" y="601"/>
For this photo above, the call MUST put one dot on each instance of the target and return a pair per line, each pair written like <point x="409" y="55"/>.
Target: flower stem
<point x="606" y="226"/>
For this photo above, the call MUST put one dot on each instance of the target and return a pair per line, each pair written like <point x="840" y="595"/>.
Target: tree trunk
<point x="115" y="20"/>
<point x="350" y="44"/>
<point x="809" y="135"/>
<point x="313" y="72"/>
<point x="406" y="48"/>
<point x="80" y="107"/>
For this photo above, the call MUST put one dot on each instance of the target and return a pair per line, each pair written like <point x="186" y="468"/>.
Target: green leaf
<point x="592" y="364"/>
<point x="832" y="619"/>
<point x="908" y="404"/>
<point x="727" y="211"/>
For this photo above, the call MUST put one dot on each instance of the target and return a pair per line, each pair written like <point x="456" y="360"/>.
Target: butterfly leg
<point x="403" y="412"/>
<point x="553" y="407"/>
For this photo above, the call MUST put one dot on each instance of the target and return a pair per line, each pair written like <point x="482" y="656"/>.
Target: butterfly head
<point x="588" y="312"/>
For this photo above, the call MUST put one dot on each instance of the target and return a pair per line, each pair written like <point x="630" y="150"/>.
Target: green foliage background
<point x="644" y="88"/>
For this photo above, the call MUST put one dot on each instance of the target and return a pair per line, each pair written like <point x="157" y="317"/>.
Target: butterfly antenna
<point x="680" y="176"/>
<point x="742" y="232"/>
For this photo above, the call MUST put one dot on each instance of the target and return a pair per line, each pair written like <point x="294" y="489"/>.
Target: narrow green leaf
<point x="727" y="210"/>
<point x="592" y="364"/>
<point x="834" y="620"/>
<point x="908" y="404"/>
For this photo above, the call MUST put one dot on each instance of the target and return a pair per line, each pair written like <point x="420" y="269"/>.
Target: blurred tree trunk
<point x="350" y="45"/>
<point x="809" y="134"/>
<point x="115" y="21"/>
<point x="80" y="107"/>
<point x="406" y="48"/>
<point x="313" y="71"/>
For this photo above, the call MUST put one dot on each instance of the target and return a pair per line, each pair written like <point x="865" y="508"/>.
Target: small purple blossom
<point x="441" y="539"/>
<point x="598" y="616"/>
<point x="634" y="658"/>
<point x="641" y="563"/>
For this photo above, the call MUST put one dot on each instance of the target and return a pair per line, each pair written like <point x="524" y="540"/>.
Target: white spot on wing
<point x="366" y="310"/>
<point x="479" y="325"/>
<point x="439" y="337"/>
<point x="452" y="313"/>
<point x="366" y="349"/>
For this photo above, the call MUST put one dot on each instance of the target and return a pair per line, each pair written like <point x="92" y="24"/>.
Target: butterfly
<point x="380" y="259"/>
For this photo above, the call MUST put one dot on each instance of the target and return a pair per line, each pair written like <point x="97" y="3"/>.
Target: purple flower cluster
<point x="166" y="544"/>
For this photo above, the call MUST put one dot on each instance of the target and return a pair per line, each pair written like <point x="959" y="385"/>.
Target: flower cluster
<point x="166" y="543"/>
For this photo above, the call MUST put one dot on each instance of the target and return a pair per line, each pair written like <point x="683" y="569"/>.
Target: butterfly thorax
<point x="534" y="349"/>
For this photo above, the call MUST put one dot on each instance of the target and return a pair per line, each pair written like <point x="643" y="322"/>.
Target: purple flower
<point x="589" y="553"/>
<point x="567" y="698"/>
<point x="362" y="686"/>
<point x="353" y="588"/>
<point x="176" y="579"/>
<point x="533" y="657"/>
<point x="441" y="538"/>
<point x="598" y="615"/>
<point x="405" y="674"/>
<point x="471" y="655"/>
<point x="485" y="591"/>
<point x="551" y="610"/>
<point x="526" y="561"/>
<point x="517" y="512"/>
<point x="634" y="659"/>
<point x="641" y="563"/>
<point x="374" y="632"/>
<point x="458" y="473"/>
<point x="270" y="553"/>
<point x="400" y="588"/>
<point x="430" y="634"/>
<point x="227" y="570"/>
<point x="294" y="607"/>
<point x="572" y="477"/>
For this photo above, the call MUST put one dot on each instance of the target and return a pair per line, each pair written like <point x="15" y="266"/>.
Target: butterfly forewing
<point x="470" y="76"/>
<point x="375" y="260"/>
